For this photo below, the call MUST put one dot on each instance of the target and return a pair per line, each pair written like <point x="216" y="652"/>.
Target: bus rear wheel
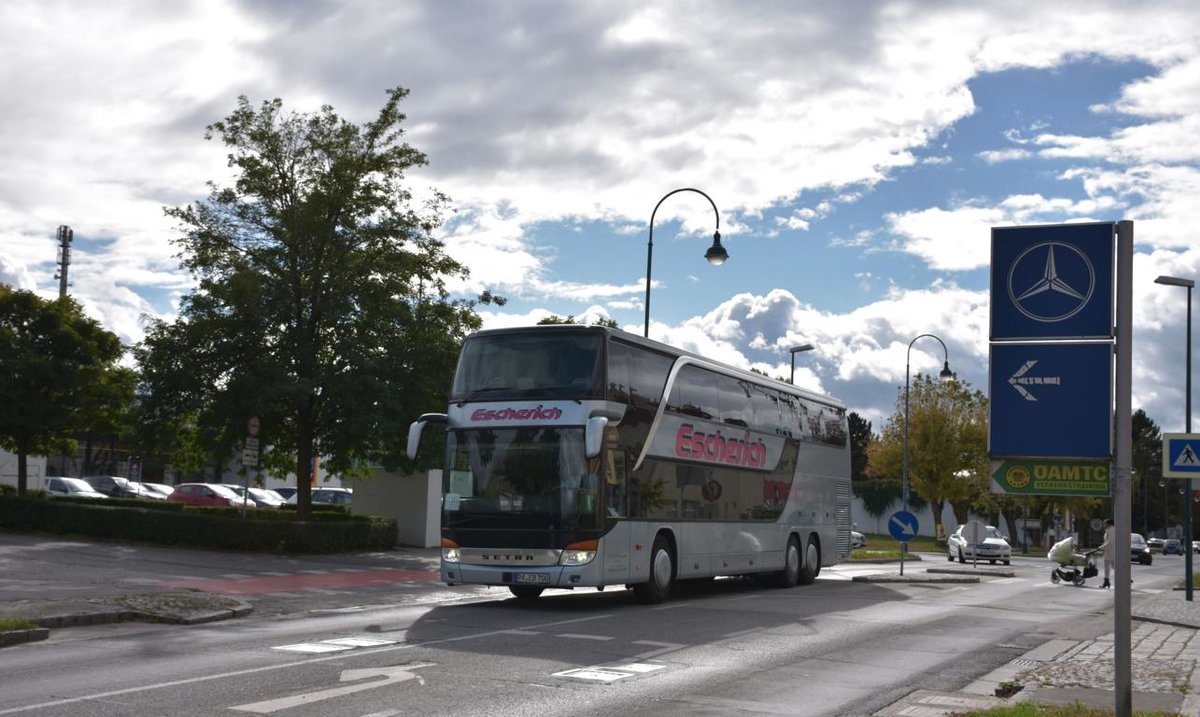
<point x="812" y="562"/>
<point x="662" y="574"/>
<point x="525" y="592"/>
<point x="790" y="575"/>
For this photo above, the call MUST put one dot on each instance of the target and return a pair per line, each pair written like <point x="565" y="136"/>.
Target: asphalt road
<point x="358" y="644"/>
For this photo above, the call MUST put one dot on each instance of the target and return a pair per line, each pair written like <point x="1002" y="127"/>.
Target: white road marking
<point x="577" y="636"/>
<point x="390" y="675"/>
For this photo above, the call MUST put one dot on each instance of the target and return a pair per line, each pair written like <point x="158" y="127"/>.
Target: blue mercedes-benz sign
<point x="1052" y="282"/>
<point x="1051" y="400"/>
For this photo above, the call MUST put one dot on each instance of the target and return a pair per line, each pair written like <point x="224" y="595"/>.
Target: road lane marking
<point x="577" y="636"/>
<point x="390" y="675"/>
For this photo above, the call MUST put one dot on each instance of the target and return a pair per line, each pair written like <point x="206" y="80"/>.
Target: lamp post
<point x="945" y="373"/>
<point x="795" y="350"/>
<point x="1187" y="497"/>
<point x="716" y="254"/>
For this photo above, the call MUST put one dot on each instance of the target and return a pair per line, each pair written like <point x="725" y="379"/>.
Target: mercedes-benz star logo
<point x="1051" y="281"/>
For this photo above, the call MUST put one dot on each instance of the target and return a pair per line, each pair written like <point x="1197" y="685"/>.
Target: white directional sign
<point x="1021" y="381"/>
<point x="361" y="678"/>
<point x="1181" y="455"/>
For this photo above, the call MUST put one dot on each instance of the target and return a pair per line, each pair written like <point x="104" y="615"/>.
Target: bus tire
<point x="790" y="575"/>
<point x="525" y="592"/>
<point x="662" y="574"/>
<point x="811" y="567"/>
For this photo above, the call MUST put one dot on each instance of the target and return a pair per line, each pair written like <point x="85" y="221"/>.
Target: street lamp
<point x="716" y="254"/>
<point x="945" y="373"/>
<point x="1187" y="501"/>
<point x="795" y="350"/>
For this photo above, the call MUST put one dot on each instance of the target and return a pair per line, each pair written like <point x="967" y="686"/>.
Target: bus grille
<point x="843" y="517"/>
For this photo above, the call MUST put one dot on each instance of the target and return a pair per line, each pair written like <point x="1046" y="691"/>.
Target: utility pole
<point x="65" y="236"/>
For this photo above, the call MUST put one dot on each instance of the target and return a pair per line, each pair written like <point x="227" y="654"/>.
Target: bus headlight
<point x="450" y="552"/>
<point x="580" y="553"/>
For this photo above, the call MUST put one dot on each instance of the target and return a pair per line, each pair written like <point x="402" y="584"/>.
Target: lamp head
<point x="716" y="254"/>
<point x="946" y="372"/>
<point x="1175" y="281"/>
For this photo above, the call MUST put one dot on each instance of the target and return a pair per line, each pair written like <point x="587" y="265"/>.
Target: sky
<point x="857" y="156"/>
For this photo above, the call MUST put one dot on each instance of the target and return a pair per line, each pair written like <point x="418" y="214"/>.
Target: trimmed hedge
<point x="259" y="530"/>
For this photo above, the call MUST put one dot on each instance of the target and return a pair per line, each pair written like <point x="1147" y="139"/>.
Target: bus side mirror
<point x="415" y="429"/>
<point x="593" y="436"/>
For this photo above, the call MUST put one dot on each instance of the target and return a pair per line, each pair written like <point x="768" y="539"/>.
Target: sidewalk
<point x="1165" y="660"/>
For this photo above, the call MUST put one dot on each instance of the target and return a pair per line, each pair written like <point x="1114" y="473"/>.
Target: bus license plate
<point x="531" y="578"/>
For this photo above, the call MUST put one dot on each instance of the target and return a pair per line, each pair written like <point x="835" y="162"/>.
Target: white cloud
<point x="996" y="156"/>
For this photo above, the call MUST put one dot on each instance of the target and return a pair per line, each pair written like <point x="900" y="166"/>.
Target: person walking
<point x="1110" y="551"/>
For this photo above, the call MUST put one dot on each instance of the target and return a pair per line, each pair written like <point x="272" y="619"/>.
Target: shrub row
<point x="258" y="530"/>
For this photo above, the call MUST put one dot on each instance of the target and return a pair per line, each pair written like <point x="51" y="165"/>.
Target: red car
<point x="204" y="494"/>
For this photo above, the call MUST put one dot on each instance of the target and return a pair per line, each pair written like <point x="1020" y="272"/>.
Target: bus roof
<point x="667" y="349"/>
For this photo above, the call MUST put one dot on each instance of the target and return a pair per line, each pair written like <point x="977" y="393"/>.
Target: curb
<point x="16" y="637"/>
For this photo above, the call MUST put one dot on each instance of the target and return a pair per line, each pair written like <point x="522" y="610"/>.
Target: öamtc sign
<point x="1047" y="477"/>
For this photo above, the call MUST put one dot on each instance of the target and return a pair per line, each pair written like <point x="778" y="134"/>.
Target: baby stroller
<point x="1073" y="567"/>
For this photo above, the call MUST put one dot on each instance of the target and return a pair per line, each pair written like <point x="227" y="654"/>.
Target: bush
<point x="171" y="523"/>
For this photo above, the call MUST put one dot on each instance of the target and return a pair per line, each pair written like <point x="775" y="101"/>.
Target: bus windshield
<point x="533" y="477"/>
<point x="547" y="364"/>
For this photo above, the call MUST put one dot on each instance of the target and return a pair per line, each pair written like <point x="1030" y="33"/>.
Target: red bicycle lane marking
<point x="283" y="583"/>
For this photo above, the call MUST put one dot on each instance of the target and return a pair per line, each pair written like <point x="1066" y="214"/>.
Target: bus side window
<point x="614" y="479"/>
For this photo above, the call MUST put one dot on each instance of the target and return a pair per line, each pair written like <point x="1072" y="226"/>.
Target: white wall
<point x="415" y="501"/>
<point x="35" y="469"/>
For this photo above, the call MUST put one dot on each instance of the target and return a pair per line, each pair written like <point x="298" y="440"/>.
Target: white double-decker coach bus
<point x="582" y="456"/>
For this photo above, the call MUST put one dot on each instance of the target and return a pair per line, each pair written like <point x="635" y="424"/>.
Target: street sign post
<point x="903" y="527"/>
<point x="1181" y="455"/>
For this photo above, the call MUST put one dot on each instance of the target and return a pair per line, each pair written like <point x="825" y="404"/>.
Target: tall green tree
<point x="59" y="374"/>
<point x="876" y="492"/>
<point x="1147" y="472"/>
<point x="947" y="444"/>
<point x="321" y="304"/>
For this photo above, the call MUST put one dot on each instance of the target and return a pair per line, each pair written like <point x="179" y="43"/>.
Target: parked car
<point x="327" y="495"/>
<point x="285" y="492"/>
<point x="160" y="487"/>
<point x="1155" y="544"/>
<point x="112" y="486"/>
<point x="205" y="494"/>
<point x="145" y="491"/>
<point x="1139" y="550"/>
<point x="1171" y="546"/>
<point x="74" y="487"/>
<point x="994" y="546"/>
<point x="857" y="540"/>
<point x="259" y="497"/>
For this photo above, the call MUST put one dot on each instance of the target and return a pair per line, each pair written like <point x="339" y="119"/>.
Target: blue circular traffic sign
<point x="903" y="526"/>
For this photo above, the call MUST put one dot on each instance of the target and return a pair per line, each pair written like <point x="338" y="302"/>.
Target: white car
<point x="994" y="546"/>
<point x="74" y="487"/>
<point x="857" y="540"/>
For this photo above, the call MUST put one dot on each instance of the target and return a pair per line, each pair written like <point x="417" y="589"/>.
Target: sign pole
<point x="1122" y="641"/>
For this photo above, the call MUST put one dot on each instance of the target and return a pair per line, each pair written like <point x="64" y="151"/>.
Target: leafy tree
<point x="321" y="304"/>
<point x="1147" y="470"/>
<point x="877" y="493"/>
<point x="947" y="444"/>
<point x="59" y="375"/>
<point x="554" y="320"/>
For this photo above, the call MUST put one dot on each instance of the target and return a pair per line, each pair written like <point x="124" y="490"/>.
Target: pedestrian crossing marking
<point x="1181" y="455"/>
<point x="335" y="645"/>
<point x="1187" y="457"/>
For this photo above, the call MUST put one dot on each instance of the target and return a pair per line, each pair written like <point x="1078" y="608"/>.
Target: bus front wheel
<point x="812" y="562"/>
<point x="662" y="574"/>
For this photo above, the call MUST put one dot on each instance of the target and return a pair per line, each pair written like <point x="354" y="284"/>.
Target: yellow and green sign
<point x="1051" y="477"/>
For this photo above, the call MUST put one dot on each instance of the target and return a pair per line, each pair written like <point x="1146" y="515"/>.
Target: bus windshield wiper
<point x="483" y="392"/>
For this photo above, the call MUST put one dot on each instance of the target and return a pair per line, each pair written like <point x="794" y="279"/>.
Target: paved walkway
<point x="1165" y="661"/>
